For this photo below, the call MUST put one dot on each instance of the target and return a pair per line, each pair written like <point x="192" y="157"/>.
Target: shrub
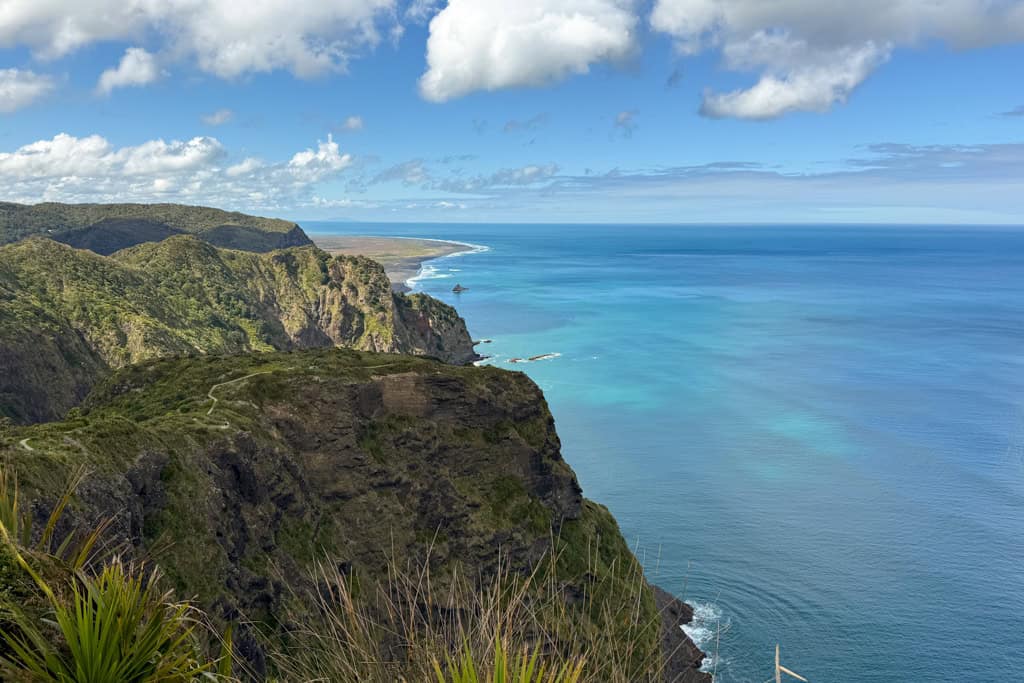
<point x="115" y="625"/>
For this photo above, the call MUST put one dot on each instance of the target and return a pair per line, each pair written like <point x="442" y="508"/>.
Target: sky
<point x="652" y="111"/>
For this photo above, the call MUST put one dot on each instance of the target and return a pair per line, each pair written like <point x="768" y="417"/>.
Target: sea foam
<point x="428" y="271"/>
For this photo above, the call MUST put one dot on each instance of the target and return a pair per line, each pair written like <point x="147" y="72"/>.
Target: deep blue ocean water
<point x="815" y="435"/>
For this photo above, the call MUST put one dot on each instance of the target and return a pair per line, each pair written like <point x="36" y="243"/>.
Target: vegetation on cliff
<point x="236" y="431"/>
<point x="264" y="484"/>
<point x="106" y="228"/>
<point x="67" y="316"/>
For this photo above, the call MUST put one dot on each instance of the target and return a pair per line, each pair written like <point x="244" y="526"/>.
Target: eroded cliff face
<point x="352" y="457"/>
<point x="68" y="316"/>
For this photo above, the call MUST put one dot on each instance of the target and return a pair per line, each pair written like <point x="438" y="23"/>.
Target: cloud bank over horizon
<point x="900" y="178"/>
<point x="91" y="169"/>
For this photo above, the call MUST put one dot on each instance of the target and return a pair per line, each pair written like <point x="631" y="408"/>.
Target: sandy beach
<point x="401" y="257"/>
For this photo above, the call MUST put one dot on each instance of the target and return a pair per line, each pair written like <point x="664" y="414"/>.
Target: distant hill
<point x="106" y="228"/>
<point x="68" y="316"/>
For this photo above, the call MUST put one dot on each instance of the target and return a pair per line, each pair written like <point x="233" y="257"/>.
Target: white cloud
<point x="20" y="88"/>
<point x="306" y="37"/>
<point x="420" y="11"/>
<point x="66" y="156"/>
<point x="353" y="123"/>
<point x="137" y="67"/>
<point x="157" y="156"/>
<point x="244" y="167"/>
<point x="493" y="44"/>
<point x="69" y="168"/>
<point x="342" y="203"/>
<point x="812" y="54"/>
<point x="218" y="118"/>
<point x="311" y="166"/>
<point x="814" y="84"/>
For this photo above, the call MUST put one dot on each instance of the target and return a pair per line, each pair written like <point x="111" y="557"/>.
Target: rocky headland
<point x="68" y="316"/>
<point x="241" y="417"/>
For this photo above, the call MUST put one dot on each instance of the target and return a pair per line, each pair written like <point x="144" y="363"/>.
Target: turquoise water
<point x="816" y="435"/>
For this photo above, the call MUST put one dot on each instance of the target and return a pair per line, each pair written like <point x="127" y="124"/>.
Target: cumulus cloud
<point x="805" y="80"/>
<point x="420" y="11"/>
<point x="137" y="67"/>
<point x="66" y="156"/>
<point x="311" y="165"/>
<point x="306" y="37"/>
<point x="493" y="44"/>
<point x="69" y="168"/>
<point x="20" y="88"/>
<point x="218" y="118"/>
<point x="812" y="55"/>
<point x="244" y="167"/>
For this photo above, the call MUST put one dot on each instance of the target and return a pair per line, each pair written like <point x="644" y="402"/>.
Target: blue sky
<point x="535" y="110"/>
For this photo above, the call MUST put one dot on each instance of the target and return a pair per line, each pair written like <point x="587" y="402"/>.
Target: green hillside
<point x="67" y="316"/>
<point x="106" y="228"/>
<point x="236" y="475"/>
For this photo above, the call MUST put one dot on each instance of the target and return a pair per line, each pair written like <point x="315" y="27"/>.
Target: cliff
<point x="236" y="474"/>
<point x="68" y="316"/>
<point x="106" y="228"/>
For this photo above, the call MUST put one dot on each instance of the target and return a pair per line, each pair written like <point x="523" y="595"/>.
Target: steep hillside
<point x="106" y="228"/>
<point x="235" y="474"/>
<point x="67" y="316"/>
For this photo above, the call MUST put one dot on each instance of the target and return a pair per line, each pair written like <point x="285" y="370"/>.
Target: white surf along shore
<point x="429" y="271"/>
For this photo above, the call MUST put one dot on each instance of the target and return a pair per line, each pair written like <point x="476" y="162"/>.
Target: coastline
<point x="685" y="661"/>
<point x="406" y="260"/>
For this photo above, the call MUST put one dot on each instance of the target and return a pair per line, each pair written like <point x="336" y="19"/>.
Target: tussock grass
<point x="510" y="628"/>
<point x="68" y="624"/>
<point x="77" y="617"/>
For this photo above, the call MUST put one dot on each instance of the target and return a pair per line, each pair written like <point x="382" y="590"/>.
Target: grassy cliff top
<point x="106" y="228"/>
<point x="238" y="474"/>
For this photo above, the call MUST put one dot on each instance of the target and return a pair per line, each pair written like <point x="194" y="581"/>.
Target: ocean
<point x="815" y="435"/>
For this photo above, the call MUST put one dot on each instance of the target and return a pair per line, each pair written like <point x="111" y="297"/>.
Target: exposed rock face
<point x="68" y="316"/>
<point x="106" y="228"/>
<point x="427" y="327"/>
<point x="683" y="657"/>
<point x="339" y="454"/>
